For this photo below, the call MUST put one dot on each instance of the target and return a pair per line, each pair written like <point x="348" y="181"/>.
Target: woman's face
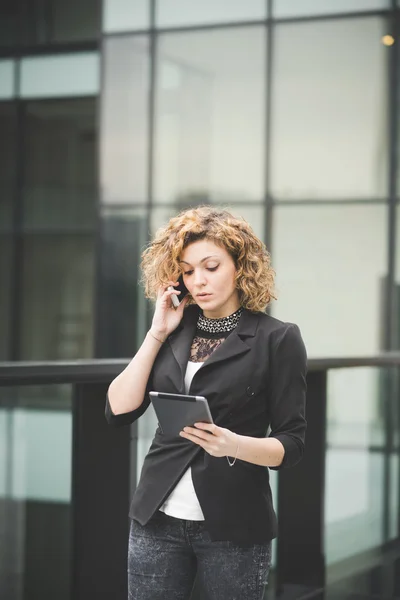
<point x="209" y="275"/>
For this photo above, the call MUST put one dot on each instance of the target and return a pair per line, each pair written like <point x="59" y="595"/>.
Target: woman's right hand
<point x="167" y="318"/>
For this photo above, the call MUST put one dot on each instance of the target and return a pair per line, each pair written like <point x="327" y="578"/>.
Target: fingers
<point x="163" y="291"/>
<point x="204" y="443"/>
<point x="211" y="427"/>
<point x="194" y="432"/>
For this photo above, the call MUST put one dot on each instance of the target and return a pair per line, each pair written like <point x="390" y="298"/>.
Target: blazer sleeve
<point x="288" y="394"/>
<point x="133" y="415"/>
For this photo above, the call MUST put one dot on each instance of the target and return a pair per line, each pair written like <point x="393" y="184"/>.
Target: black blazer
<point x="255" y="380"/>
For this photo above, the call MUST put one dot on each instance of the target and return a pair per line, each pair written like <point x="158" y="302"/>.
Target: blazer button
<point x="249" y="391"/>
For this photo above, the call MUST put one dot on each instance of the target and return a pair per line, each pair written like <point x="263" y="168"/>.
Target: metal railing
<point x="104" y="467"/>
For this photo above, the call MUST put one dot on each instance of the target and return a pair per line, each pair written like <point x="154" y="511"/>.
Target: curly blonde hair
<point x="254" y="274"/>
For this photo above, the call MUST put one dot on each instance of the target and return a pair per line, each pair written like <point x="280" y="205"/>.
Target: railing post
<point x="300" y="557"/>
<point x="100" y="498"/>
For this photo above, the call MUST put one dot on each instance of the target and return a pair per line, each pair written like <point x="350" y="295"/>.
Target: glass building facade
<point x="115" y="115"/>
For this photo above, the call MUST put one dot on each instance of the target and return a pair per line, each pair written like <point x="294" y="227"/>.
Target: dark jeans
<point x="166" y="554"/>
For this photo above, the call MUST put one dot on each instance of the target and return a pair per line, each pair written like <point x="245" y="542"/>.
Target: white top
<point x="182" y="503"/>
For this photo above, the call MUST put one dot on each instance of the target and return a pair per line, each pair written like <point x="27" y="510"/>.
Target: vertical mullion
<point x="97" y="300"/>
<point x="268" y="212"/>
<point x="390" y="312"/>
<point x="151" y="126"/>
<point x="17" y="227"/>
<point x="391" y="320"/>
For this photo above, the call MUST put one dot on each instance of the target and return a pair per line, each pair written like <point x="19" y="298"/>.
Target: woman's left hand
<point x="215" y="440"/>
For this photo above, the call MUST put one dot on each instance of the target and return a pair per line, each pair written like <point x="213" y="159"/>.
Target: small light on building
<point x="388" y="40"/>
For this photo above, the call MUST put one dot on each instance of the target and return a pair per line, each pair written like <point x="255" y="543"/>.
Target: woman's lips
<point x="204" y="296"/>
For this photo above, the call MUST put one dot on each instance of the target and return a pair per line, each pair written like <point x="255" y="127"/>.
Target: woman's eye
<point x="212" y="268"/>
<point x="187" y="272"/>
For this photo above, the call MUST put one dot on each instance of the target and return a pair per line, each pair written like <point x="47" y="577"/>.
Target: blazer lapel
<point x="235" y="344"/>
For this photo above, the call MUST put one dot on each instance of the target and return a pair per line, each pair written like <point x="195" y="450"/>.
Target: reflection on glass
<point x="124" y="121"/>
<point x="75" y="20"/>
<point x="253" y="214"/>
<point x="210" y="109"/>
<point x="172" y="13"/>
<point x="57" y="325"/>
<point x="60" y="164"/>
<point x="122" y="306"/>
<point x="329" y="132"/>
<point x="35" y="492"/>
<point x="60" y="76"/>
<point x="5" y="295"/>
<point x="27" y="23"/>
<point x="7" y="84"/>
<point x="294" y="8"/>
<point x="8" y="162"/>
<point x="330" y="261"/>
<point x="356" y="490"/>
<point x="125" y="15"/>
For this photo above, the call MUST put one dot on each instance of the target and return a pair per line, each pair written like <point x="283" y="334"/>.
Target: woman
<point x="203" y="503"/>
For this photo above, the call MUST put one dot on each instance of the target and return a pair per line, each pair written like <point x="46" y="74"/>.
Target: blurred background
<point x="115" y="115"/>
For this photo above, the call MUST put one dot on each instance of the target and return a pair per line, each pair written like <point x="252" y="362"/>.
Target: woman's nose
<point x="199" y="278"/>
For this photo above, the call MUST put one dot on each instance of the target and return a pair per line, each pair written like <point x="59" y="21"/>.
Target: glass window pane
<point x="13" y="22"/>
<point x="5" y="295"/>
<point x="125" y="15"/>
<point x="59" y="76"/>
<point x="122" y="305"/>
<point x="210" y="112"/>
<point x="57" y="325"/>
<point x="75" y="20"/>
<point x="35" y="489"/>
<point x="253" y="213"/>
<point x="60" y="187"/>
<point x="27" y="23"/>
<point x="294" y="8"/>
<point x="330" y="262"/>
<point x="172" y="13"/>
<point x="355" y="485"/>
<point x="7" y="85"/>
<point x="329" y="130"/>
<point x="8" y="162"/>
<point x="124" y="121"/>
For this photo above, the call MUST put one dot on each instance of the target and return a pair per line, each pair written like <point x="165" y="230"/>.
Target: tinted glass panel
<point x="8" y="162"/>
<point x="329" y="125"/>
<point x="357" y="492"/>
<point x="122" y="305"/>
<point x="7" y="84"/>
<point x="294" y="8"/>
<point x="57" y="325"/>
<point x="60" y="176"/>
<point x="5" y="295"/>
<point x="124" y="128"/>
<point x="125" y="15"/>
<point x="60" y="76"/>
<point x="190" y="12"/>
<point x="330" y="263"/>
<point x="210" y="111"/>
<point x="28" y="23"/>
<point x="75" y="20"/>
<point x="35" y="492"/>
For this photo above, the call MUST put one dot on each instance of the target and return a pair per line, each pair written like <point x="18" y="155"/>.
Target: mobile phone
<point x="176" y="300"/>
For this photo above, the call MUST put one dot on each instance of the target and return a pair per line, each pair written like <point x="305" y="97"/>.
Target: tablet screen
<point x="176" y="411"/>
